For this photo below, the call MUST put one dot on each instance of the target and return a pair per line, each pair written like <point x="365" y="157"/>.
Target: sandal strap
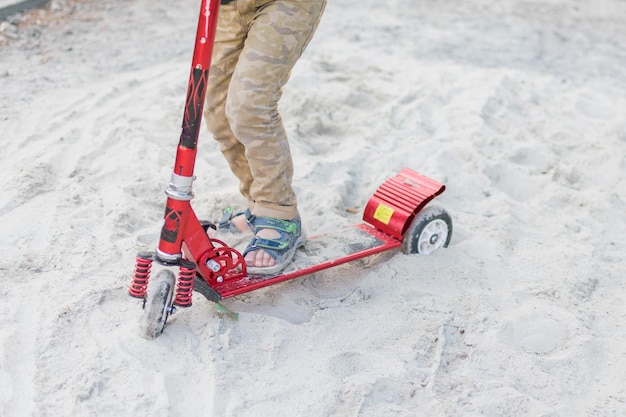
<point x="289" y="230"/>
<point x="287" y="226"/>
<point x="228" y="214"/>
<point x="277" y="244"/>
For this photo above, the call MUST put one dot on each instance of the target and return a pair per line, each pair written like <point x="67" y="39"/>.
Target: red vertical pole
<point x="179" y="191"/>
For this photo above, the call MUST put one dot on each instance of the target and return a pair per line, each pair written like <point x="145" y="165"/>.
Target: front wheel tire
<point x="158" y="304"/>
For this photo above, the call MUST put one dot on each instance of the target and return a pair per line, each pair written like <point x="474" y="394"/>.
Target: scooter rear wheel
<point x="158" y="304"/>
<point x="430" y="230"/>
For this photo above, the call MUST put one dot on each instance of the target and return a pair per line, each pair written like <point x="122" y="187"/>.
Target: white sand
<point x="519" y="107"/>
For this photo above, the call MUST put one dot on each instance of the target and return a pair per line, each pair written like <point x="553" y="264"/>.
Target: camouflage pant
<point x="256" y="46"/>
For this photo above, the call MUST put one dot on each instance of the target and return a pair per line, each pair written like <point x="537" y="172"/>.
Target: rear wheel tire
<point x="430" y="230"/>
<point x="158" y="304"/>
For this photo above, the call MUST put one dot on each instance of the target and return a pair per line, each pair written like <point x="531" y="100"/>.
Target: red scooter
<point x="395" y="217"/>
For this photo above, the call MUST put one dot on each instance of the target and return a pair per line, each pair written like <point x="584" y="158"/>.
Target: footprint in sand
<point x="595" y="105"/>
<point x="525" y="172"/>
<point x="31" y="183"/>
<point x="535" y="333"/>
<point x="515" y="181"/>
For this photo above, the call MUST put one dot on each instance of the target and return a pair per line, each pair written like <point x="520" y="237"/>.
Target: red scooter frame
<point x="217" y="271"/>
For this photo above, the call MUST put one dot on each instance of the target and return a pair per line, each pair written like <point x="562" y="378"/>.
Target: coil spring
<point x="141" y="276"/>
<point x="184" y="289"/>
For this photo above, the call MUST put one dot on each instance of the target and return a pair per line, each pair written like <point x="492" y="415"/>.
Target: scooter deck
<point x="318" y="253"/>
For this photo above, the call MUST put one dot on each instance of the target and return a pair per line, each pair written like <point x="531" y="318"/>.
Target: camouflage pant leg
<point x="257" y="44"/>
<point x="229" y="40"/>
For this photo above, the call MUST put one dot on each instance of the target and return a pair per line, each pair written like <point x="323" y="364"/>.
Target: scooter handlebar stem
<point x="179" y="191"/>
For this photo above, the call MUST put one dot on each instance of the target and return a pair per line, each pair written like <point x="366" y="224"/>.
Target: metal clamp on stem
<point x="180" y="188"/>
<point x="167" y="258"/>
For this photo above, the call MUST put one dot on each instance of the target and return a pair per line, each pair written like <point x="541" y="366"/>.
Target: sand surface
<point x="519" y="107"/>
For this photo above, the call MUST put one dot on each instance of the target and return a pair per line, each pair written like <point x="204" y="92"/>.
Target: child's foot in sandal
<point x="274" y="245"/>
<point x="235" y="222"/>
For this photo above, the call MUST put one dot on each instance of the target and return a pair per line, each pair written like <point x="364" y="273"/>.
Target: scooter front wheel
<point x="430" y="230"/>
<point x="158" y="304"/>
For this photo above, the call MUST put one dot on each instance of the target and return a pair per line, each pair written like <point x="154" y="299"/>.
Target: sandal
<point x="226" y="224"/>
<point x="281" y="249"/>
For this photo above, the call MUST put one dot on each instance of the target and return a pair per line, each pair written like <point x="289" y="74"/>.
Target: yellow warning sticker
<point x="383" y="213"/>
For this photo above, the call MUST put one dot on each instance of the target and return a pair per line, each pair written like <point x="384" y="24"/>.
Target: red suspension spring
<point x="141" y="276"/>
<point x="184" y="289"/>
